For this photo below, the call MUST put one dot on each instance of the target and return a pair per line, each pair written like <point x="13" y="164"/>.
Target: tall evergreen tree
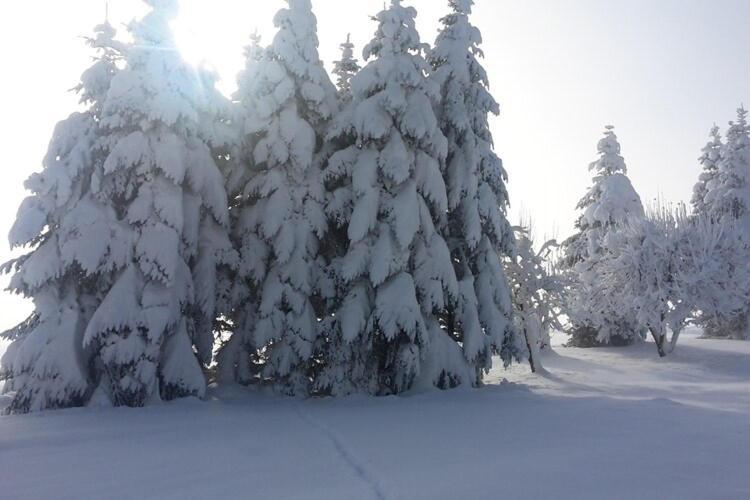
<point x="730" y="194"/>
<point x="161" y="177"/>
<point x="286" y="99"/>
<point x="610" y="202"/>
<point x="345" y="69"/>
<point x="71" y="232"/>
<point x="477" y="229"/>
<point x="236" y="358"/>
<point x="710" y="160"/>
<point x="397" y="274"/>
<point x="728" y="199"/>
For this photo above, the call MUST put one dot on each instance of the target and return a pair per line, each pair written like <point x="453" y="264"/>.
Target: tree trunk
<point x="659" y="339"/>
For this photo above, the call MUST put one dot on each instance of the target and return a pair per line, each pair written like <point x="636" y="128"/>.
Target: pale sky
<point x="661" y="71"/>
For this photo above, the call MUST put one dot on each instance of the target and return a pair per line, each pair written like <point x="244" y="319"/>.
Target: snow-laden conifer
<point x="345" y="69"/>
<point x="286" y="100"/>
<point x="477" y="230"/>
<point x="154" y="328"/>
<point x="610" y="202"/>
<point x="729" y="195"/>
<point x="72" y="234"/>
<point x="397" y="274"/>
<point x="710" y="160"/>
<point x="236" y="358"/>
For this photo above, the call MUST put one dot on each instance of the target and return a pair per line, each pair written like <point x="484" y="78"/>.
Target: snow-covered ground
<point x="605" y="423"/>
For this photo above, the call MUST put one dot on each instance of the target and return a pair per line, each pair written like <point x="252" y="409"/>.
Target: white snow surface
<point x="615" y="423"/>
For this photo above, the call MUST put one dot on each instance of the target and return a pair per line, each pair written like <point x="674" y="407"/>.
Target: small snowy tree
<point x="345" y="69"/>
<point x="715" y="277"/>
<point x="154" y="328"/>
<point x="538" y="294"/>
<point x="639" y="272"/>
<point x="476" y="229"/>
<point x="609" y="203"/>
<point x="286" y="99"/>
<point x="710" y="160"/>
<point x="396" y="275"/>
<point x="671" y="268"/>
<point x="66" y="273"/>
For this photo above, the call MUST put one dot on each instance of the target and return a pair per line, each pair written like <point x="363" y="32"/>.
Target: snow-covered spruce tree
<point x="397" y="274"/>
<point x="710" y="160"/>
<point x="70" y="231"/>
<point x="538" y="293"/>
<point x="236" y="359"/>
<point x="729" y="195"/>
<point x="286" y="100"/>
<point x="476" y="229"/>
<point x="345" y="69"/>
<point x="608" y="204"/>
<point x="728" y="198"/>
<point x="154" y="328"/>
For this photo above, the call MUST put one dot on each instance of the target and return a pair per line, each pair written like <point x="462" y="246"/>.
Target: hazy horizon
<point x="662" y="72"/>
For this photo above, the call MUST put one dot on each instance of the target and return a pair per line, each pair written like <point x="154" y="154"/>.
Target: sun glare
<point x="213" y="33"/>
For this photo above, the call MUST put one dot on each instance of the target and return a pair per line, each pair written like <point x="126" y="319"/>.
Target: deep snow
<point x="615" y="423"/>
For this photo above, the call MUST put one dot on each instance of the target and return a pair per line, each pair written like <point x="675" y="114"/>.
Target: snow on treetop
<point x="618" y="202"/>
<point x="609" y="150"/>
<point x="397" y="32"/>
<point x="462" y="6"/>
<point x="167" y="8"/>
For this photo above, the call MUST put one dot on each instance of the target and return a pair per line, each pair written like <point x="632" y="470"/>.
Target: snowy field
<point x="605" y="423"/>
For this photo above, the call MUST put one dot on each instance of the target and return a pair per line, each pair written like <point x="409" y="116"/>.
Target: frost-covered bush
<point x="640" y="272"/>
<point x="715" y="277"/>
<point x="538" y="293"/>
<point x="673" y="269"/>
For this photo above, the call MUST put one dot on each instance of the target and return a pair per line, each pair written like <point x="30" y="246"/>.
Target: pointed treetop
<point x="739" y="130"/>
<point x="742" y="115"/>
<point x="347" y="48"/>
<point x="610" y="161"/>
<point x="461" y="6"/>
<point x="300" y="4"/>
<point x="167" y="8"/>
<point x="255" y="39"/>
<point x="396" y="33"/>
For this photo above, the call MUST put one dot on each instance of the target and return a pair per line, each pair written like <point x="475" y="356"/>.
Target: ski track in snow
<point x="344" y="453"/>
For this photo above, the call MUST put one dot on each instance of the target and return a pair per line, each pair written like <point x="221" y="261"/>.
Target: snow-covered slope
<point x="613" y="423"/>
